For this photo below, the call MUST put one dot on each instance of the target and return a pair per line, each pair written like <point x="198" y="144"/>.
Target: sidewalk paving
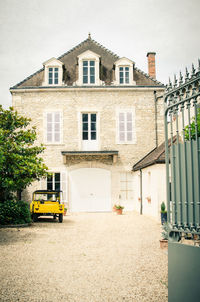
<point x="90" y="257"/>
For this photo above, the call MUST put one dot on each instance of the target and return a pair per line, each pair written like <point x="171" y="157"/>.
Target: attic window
<point x="53" y="75"/>
<point x="124" y="75"/>
<point x="88" y="72"/>
<point x="53" y="72"/>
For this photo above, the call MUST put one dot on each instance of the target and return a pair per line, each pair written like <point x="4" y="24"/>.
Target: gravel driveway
<point x="87" y="258"/>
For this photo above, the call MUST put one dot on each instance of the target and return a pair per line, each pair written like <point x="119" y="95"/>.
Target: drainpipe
<point x="156" y="116"/>
<point x="140" y="191"/>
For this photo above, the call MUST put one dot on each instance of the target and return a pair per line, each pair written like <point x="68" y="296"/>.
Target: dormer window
<point x="88" y="72"/>
<point x="53" y="75"/>
<point x="124" y="75"/>
<point x="53" y="72"/>
<point x="88" y="69"/>
<point x="124" y="72"/>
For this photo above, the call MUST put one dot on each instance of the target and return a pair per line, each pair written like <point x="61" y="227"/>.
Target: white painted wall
<point x="153" y="186"/>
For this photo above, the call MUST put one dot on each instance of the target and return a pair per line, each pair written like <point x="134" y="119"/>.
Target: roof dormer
<point x="88" y="67"/>
<point x="53" y="72"/>
<point x="124" y="72"/>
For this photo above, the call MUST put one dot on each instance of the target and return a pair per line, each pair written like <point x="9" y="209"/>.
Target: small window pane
<point x="56" y="69"/>
<point x="50" y="178"/>
<point x="121" y="80"/>
<point x="126" y="68"/>
<point x="92" y="63"/>
<point x="57" y="186"/>
<point x="57" y="176"/>
<point x="85" y="79"/>
<point x="85" y="63"/>
<point x="85" y="117"/>
<point x="49" y="186"/>
<point x="85" y="126"/>
<point x="120" y="68"/>
<point x="56" y="81"/>
<point x="51" y="69"/>
<point x="50" y="81"/>
<point x="93" y="135"/>
<point x="85" y="135"/>
<point x="93" y="126"/>
<point x="85" y="71"/>
<point x="93" y="117"/>
<point x="92" y="79"/>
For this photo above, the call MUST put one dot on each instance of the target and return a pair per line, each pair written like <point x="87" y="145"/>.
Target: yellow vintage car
<point x="47" y="203"/>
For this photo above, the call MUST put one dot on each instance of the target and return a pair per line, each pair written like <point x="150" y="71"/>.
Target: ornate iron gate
<point x="182" y="149"/>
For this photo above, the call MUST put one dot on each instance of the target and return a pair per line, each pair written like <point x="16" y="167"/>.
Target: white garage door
<point x="90" y="190"/>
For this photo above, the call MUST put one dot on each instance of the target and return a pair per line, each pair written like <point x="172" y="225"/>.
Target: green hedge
<point x="14" y="212"/>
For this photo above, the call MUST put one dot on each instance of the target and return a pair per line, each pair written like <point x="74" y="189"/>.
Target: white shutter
<point x="64" y="187"/>
<point x="129" y="126"/>
<point x="57" y="127"/>
<point x="121" y="127"/>
<point x="49" y="127"/>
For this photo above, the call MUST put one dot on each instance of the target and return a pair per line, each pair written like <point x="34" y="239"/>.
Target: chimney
<point x="151" y="64"/>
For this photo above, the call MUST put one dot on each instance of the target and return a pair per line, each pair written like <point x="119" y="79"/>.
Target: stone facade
<point x="106" y="102"/>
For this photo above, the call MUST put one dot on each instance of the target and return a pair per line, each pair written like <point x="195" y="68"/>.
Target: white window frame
<point x="53" y="141"/>
<point x="54" y="72"/>
<point x="133" y="130"/>
<point x="124" y="71"/>
<point x="53" y="63"/>
<point x="124" y="62"/>
<point x="88" y="56"/>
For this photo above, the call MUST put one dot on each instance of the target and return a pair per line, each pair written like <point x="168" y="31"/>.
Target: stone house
<point x="97" y="114"/>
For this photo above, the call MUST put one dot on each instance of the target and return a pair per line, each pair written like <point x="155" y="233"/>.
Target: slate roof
<point x="70" y="68"/>
<point x="155" y="156"/>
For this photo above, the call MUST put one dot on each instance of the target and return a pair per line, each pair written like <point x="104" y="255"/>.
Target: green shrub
<point x="163" y="207"/>
<point x="14" y="212"/>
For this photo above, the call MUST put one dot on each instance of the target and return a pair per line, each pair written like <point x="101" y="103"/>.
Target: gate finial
<point x="181" y="79"/>
<point x="186" y="74"/>
<point x="193" y="70"/>
<point x="175" y="81"/>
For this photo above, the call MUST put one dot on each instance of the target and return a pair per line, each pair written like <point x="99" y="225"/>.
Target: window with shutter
<point x="53" y="133"/>
<point x="126" y="127"/>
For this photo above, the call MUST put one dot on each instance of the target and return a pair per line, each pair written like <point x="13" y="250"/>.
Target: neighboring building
<point x="150" y="180"/>
<point x="97" y="115"/>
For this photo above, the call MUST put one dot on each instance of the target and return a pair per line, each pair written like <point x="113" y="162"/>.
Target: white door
<point x="90" y="190"/>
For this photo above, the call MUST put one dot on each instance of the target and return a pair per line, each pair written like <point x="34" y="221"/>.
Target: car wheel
<point x="60" y="217"/>
<point x="35" y="217"/>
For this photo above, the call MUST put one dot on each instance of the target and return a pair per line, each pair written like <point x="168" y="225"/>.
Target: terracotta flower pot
<point x="163" y="244"/>
<point x="119" y="211"/>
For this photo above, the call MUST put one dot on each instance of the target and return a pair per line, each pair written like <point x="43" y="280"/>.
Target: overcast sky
<point x="32" y="31"/>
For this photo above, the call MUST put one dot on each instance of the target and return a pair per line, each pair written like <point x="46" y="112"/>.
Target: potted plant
<point x="164" y="234"/>
<point x="118" y="209"/>
<point x="163" y="212"/>
<point x="148" y="198"/>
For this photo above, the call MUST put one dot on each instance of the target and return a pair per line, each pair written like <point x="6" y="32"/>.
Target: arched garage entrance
<point x="90" y="190"/>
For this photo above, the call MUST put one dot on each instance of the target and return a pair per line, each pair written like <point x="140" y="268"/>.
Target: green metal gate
<point x="182" y="149"/>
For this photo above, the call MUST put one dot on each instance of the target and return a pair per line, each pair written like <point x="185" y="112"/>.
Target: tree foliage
<point x="20" y="163"/>
<point x="193" y="130"/>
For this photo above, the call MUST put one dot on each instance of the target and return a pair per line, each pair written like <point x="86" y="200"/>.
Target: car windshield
<point x="46" y="196"/>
